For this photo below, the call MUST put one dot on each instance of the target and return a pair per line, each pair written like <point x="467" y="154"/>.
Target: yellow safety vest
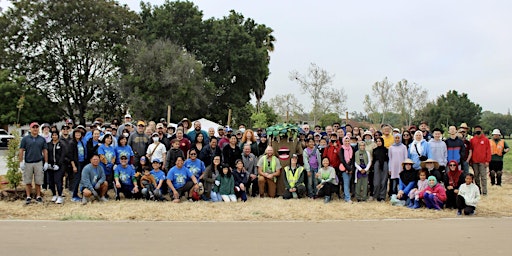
<point x="293" y="178"/>
<point x="272" y="164"/>
<point x="497" y="149"/>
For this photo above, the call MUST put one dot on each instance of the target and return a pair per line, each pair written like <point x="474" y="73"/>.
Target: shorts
<point x="33" y="171"/>
<point x="496" y="166"/>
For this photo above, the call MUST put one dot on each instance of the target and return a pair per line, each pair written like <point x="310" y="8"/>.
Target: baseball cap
<point x="69" y="121"/>
<point x="317" y="134"/>
<point x="263" y="135"/>
<point x="295" y="156"/>
<point x="141" y="123"/>
<point x="127" y="116"/>
<point x="228" y="129"/>
<point x="123" y="157"/>
<point x="160" y="125"/>
<point x="220" y="128"/>
<point x="154" y="134"/>
<point x="156" y="160"/>
<point x="34" y="124"/>
<point x="396" y="130"/>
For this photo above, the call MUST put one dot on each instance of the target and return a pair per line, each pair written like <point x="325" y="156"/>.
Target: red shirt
<point x="481" y="148"/>
<point x="331" y="153"/>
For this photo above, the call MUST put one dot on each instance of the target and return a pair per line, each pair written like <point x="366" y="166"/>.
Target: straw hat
<point x="436" y="164"/>
<point x="407" y="161"/>
<point x="464" y="126"/>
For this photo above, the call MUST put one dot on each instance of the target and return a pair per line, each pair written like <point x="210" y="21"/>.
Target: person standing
<point x="455" y="146"/>
<point x="55" y="170"/>
<point x="33" y="150"/>
<point x="498" y="148"/>
<point x="480" y="155"/>
<point x="139" y="143"/>
<point x="438" y="149"/>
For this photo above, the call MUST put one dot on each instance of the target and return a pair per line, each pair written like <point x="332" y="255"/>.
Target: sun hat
<point x="430" y="160"/>
<point x="496" y="132"/>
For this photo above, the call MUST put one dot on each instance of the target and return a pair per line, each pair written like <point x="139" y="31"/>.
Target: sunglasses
<point x="193" y="154"/>
<point x="452" y="165"/>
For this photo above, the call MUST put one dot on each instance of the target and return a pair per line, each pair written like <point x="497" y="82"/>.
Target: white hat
<point x="127" y="116"/>
<point x="496" y="132"/>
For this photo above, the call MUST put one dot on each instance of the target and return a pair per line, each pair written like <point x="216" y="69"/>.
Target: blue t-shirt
<point x="179" y="176"/>
<point x="125" y="174"/>
<point x="33" y="147"/>
<point x="195" y="166"/>
<point x="160" y="175"/>
<point x="81" y="151"/>
<point x="123" y="151"/>
<point x="110" y="154"/>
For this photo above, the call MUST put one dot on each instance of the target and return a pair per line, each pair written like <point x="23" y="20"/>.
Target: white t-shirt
<point x="158" y="153"/>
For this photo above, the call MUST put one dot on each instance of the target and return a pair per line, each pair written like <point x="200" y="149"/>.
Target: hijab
<point x="434" y="179"/>
<point x="380" y="153"/>
<point x="347" y="150"/>
<point x="417" y="143"/>
<point x="400" y="142"/>
<point x="453" y="176"/>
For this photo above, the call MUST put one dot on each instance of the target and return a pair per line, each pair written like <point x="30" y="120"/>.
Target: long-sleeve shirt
<point x="480" y="149"/>
<point x="327" y="175"/>
<point x="438" y="190"/>
<point x="456" y="149"/>
<point x="250" y="163"/>
<point x="439" y="151"/>
<point x="91" y="176"/>
<point x="470" y="192"/>
<point x="397" y="155"/>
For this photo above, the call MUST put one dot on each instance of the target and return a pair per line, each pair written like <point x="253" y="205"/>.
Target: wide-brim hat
<point x="496" y="132"/>
<point x="464" y="126"/>
<point x="407" y="161"/>
<point x="436" y="164"/>
<point x="187" y="121"/>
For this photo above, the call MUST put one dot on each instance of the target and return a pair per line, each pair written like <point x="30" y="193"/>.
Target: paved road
<point x="461" y="236"/>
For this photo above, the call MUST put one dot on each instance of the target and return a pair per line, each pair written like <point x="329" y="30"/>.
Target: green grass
<point x="507" y="159"/>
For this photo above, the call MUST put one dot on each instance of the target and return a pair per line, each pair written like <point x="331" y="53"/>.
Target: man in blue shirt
<point x="180" y="179"/>
<point x="125" y="180"/>
<point x="33" y="149"/>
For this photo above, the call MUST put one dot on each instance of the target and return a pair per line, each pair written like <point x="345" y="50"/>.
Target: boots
<point x="327" y="199"/>
<point x="416" y="204"/>
<point x="411" y="203"/>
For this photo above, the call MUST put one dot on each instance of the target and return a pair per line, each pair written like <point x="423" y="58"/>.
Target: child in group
<point x="468" y="196"/>
<point x="240" y="176"/>
<point x="434" y="195"/>
<point x="414" y="194"/>
<point x="225" y="185"/>
<point x="148" y="184"/>
<point x="363" y="163"/>
<point x="159" y="176"/>
<point x="172" y="154"/>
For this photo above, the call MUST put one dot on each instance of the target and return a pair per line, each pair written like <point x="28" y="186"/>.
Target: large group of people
<point x="414" y="166"/>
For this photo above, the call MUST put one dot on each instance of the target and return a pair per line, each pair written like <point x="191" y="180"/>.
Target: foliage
<point x="490" y="121"/>
<point x="328" y="119"/>
<point x="316" y="85"/>
<point x="161" y="74"/>
<point x="14" y="175"/>
<point x="259" y="120"/>
<point x="234" y="51"/>
<point x="272" y="117"/>
<point x="69" y="49"/>
<point x="382" y="93"/>
<point x="408" y="99"/>
<point x="36" y="105"/>
<point x="450" y="109"/>
<point x="507" y="158"/>
<point x="287" y="107"/>
<point x="283" y="130"/>
<point x="242" y="115"/>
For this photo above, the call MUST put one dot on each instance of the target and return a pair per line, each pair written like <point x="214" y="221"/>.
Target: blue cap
<point x="156" y="160"/>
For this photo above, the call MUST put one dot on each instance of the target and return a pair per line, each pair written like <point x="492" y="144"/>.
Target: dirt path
<point x="460" y="236"/>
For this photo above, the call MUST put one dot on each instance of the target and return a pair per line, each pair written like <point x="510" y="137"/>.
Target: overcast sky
<point x="440" y="45"/>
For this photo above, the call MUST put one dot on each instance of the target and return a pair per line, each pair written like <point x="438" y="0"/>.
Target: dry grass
<point x="497" y="204"/>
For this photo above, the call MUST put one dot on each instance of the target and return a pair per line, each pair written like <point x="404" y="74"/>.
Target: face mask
<point x="242" y="130"/>
<point x="478" y="132"/>
<point x="369" y="140"/>
<point x="155" y="139"/>
<point x="353" y="144"/>
<point x="126" y="134"/>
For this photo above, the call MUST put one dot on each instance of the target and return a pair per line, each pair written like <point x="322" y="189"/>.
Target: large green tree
<point x="499" y="121"/>
<point x="450" y="109"/>
<point x="160" y="74"/>
<point x="70" y="49"/>
<point x="234" y="51"/>
<point x="35" y="104"/>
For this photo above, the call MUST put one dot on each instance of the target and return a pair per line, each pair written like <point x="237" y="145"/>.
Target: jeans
<point x="393" y="186"/>
<point x="215" y="196"/>
<point x="312" y="182"/>
<point x="465" y="167"/>
<point x="77" y="176"/>
<point x="346" y="185"/>
<point x="229" y="198"/>
<point x="55" y="181"/>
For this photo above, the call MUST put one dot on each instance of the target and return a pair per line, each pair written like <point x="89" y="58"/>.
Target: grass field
<point x="507" y="159"/>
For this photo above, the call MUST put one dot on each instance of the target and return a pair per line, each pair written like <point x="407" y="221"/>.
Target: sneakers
<point x="84" y="200"/>
<point x="28" y="200"/>
<point x="39" y="199"/>
<point x="76" y="199"/>
<point x="103" y="199"/>
<point x="59" y="200"/>
<point x="459" y="213"/>
<point x="54" y="198"/>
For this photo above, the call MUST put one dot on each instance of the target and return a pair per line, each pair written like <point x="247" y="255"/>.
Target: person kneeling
<point x="294" y="180"/>
<point x="468" y="196"/>
<point x="180" y="180"/>
<point x="125" y="180"/>
<point x="93" y="182"/>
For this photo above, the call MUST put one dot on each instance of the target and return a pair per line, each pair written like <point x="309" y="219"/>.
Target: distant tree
<point x="161" y="74"/>
<point x="36" y="104"/>
<point x="450" y="109"/>
<point x="408" y="98"/>
<point x="381" y="99"/>
<point x="503" y="122"/>
<point x="328" y="119"/>
<point x="67" y="48"/>
<point x="316" y="84"/>
<point x="287" y="106"/>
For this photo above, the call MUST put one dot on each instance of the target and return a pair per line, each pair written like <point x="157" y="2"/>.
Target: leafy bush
<point x="13" y="173"/>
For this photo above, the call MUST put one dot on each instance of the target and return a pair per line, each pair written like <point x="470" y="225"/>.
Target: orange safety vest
<point x="497" y="149"/>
